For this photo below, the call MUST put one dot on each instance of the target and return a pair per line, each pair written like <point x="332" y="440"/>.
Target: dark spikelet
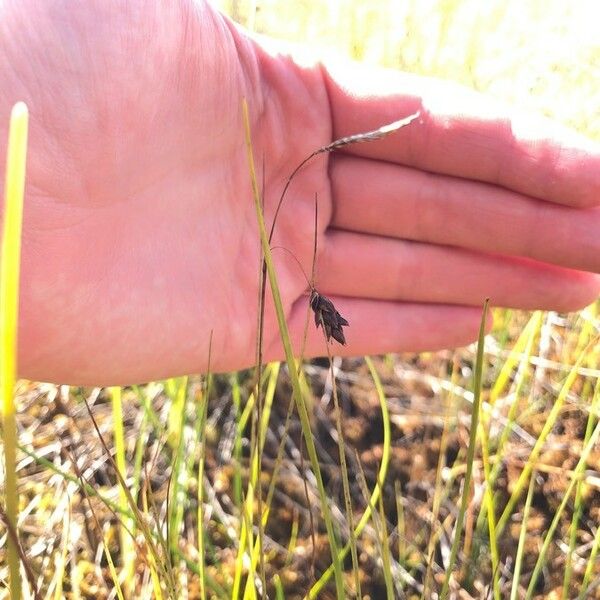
<point x="328" y="316"/>
<point x="370" y="136"/>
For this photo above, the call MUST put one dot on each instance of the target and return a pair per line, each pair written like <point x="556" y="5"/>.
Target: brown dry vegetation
<point x="531" y="53"/>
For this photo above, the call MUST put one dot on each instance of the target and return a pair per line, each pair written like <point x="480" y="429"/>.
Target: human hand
<point x="140" y="236"/>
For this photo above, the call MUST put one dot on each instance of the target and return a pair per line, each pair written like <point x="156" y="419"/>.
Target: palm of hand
<point x="149" y="247"/>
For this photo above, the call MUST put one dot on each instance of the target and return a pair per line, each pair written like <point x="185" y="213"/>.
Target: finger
<point x="378" y="327"/>
<point x="380" y="198"/>
<point x="465" y="134"/>
<point x="366" y="266"/>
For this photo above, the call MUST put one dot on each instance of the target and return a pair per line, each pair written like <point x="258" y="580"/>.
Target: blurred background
<point x="540" y="54"/>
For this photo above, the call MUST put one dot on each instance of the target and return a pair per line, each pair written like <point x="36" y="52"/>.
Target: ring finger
<point x="380" y="198"/>
<point x="380" y="268"/>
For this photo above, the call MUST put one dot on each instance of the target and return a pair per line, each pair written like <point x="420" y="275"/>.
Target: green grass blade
<point x="245" y="543"/>
<point x="104" y="542"/>
<point x="579" y="503"/>
<point x="289" y="355"/>
<point x="10" y="268"/>
<point x="439" y="492"/>
<point x="179" y="473"/>
<point x="152" y="560"/>
<point x="236" y="396"/>
<point x="144" y="396"/>
<point x="386" y="563"/>
<point x="273" y="370"/>
<point x="490" y="509"/>
<point x="381" y="534"/>
<point x="522" y="537"/>
<point x="520" y="354"/>
<point x="91" y="491"/>
<point x="401" y="525"/>
<point x="138" y="456"/>
<point x="381" y="475"/>
<point x="591" y="563"/>
<point x="532" y="330"/>
<point x="344" y="471"/>
<point x="201" y="437"/>
<point x="166" y="574"/>
<point x="279" y="593"/>
<point x="581" y="464"/>
<point x="478" y="376"/>
<point x="514" y="357"/>
<point x="535" y="451"/>
<point x="112" y="569"/>
<point x="125" y="527"/>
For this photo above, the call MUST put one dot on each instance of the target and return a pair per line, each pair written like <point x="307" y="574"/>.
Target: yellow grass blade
<point x="249" y="591"/>
<point x="553" y="415"/>
<point x="522" y="538"/>
<point x="9" y="316"/>
<point x="128" y="558"/>
<point x="515" y="356"/>
<point x="577" y="472"/>
<point x="591" y="563"/>
<point x="151" y="558"/>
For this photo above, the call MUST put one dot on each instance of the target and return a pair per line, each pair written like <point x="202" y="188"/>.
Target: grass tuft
<point x="466" y="492"/>
<point x="289" y="355"/>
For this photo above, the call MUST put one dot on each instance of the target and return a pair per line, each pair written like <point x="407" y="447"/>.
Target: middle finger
<point x="380" y="268"/>
<point x="379" y="198"/>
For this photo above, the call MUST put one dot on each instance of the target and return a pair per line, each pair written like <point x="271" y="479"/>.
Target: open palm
<point x="140" y="235"/>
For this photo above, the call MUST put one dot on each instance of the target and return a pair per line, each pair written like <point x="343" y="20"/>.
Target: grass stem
<point x="10" y="267"/>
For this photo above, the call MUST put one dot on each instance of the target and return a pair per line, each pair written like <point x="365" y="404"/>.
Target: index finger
<point x="465" y="134"/>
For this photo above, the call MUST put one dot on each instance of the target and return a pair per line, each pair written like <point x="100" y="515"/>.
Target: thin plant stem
<point x="283" y="329"/>
<point x="470" y="453"/>
<point x="10" y="267"/>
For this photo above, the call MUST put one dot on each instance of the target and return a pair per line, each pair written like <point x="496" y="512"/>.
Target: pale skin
<point x="140" y="234"/>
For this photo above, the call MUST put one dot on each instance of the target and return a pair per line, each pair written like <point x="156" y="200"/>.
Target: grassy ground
<point x="407" y="420"/>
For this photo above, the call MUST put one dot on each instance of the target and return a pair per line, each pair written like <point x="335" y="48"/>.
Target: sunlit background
<point x="543" y="55"/>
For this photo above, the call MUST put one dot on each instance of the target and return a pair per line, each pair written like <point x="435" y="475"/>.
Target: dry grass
<point x="535" y="419"/>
